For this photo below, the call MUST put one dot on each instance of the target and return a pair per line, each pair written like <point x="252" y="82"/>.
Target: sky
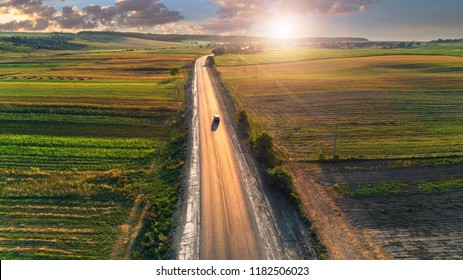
<point x="420" y="20"/>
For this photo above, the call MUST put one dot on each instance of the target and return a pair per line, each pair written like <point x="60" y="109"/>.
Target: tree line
<point x="49" y="42"/>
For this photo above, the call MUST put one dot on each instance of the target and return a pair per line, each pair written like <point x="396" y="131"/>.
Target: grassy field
<point x="278" y="55"/>
<point x="398" y="114"/>
<point x="60" y="214"/>
<point x="79" y="131"/>
<point x="385" y="107"/>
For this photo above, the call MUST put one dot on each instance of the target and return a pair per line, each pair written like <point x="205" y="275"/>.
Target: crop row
<point x="78" y="134"/>
<point x="26" y="151"/>
<point x="61" y="214"/>
<point x="85" y="232"/>
<point x="142" y="111"/>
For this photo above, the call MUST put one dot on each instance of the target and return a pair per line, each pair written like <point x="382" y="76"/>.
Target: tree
<point x="263" y="146"/>
<point x="210" y="61"/>
<point x="219" y="51"/>
<point x="243" y="117"/>
<point x="243" y="121"/>
<point x="263" y="142"/>
<point x="174" y="71"/>
<point x="279" y="179"/>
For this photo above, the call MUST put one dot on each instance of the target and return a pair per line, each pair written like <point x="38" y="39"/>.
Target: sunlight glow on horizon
<point x="286" y="26"/>
<point x="283" y="29"/>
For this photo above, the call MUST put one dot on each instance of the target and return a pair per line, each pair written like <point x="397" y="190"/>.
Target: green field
<point x="79" y="132"/>
<point x="278" y="55"/>
<point x="60" y="215"/>
<point x="406" y="107"/>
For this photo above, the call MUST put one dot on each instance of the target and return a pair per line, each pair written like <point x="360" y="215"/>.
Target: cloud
<point x="235" y="17"/>
<point x="37" y="14"/>
<point x="123" y="14"/>
<point x="104" y="15"/>
<point x="238" y="16"/>
<point x="133" y="13"/>
<point x="330" y="7"/>
<point x="32" y="25"/>
<point x="72" y="18"/>
<point x="34" y="8"/>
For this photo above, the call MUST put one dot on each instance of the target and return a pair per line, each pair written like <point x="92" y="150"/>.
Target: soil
<point x="415" y="226"/>
<point x="342" y="240"/>
<point x="419" y="226"/>
<point x="358" y="174"/>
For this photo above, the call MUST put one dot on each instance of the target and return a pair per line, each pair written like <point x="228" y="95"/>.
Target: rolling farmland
<point x="79" y="132"/>
<point x="406" y="105"/>
<point x="398" y="120"/>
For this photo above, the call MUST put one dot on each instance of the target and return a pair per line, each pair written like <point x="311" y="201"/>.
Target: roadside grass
<point x="406" y="108"/>
<point x="79" y="131"/>
<point x="165" y="180"/>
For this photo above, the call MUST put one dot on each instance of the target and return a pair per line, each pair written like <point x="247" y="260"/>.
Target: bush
<point x="210" y="61"/>
<point x="277" y="176"/>
<point x="174" y="71"/>
<point x="243" y="122"/>
<point x="263" y="147"/>
<point x="279" y="179"/>
<point x="218" y="51"/>
<point x="294" y="197"/>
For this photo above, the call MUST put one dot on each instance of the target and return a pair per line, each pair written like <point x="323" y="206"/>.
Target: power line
<point x="291" y="95"/>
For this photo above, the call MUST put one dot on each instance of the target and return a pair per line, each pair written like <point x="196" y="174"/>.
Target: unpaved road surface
<point x="227" y="231"/>
<point x="225" y="211"/>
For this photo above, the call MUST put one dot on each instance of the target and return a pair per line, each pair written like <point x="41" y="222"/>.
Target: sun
<point x="283" y="29"/>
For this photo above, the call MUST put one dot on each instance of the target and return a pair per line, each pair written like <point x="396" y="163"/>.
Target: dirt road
<point x="227" y="230"/>
<point x="226" y="212"/>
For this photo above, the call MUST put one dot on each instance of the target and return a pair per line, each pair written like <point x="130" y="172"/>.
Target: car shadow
<point x="214" y="126"/>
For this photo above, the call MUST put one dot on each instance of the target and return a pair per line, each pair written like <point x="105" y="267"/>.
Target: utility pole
<point x="335" y="141"/>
